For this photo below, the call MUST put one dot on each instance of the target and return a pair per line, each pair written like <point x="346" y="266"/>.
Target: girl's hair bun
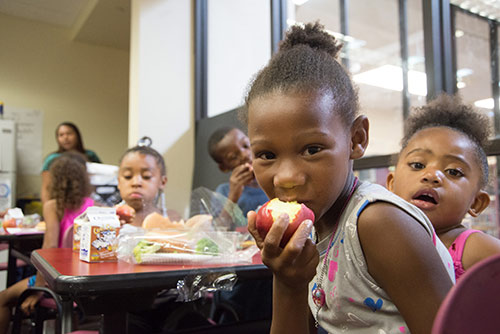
<point x="145" y="141"/>
<point x="312" y="35"/>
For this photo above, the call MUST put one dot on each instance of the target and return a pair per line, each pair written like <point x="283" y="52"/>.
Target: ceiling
<point x="107" y="22"/>
<point x="100" y="22"/>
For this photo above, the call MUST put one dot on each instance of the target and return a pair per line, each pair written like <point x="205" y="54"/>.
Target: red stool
<point x="472" y="304"/>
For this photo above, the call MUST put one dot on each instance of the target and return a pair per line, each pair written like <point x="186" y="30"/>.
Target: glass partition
<point x="473" y="60"/>
<point x="327" y="12"/>
<point x="416" y="53"/>
<point x="373" y="55"/>
<point x="239" y="44"/>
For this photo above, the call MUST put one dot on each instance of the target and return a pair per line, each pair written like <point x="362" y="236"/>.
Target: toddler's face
<point x="139" y="180"/>
<point x="438" y="172"/>
<point x="301" y="149"/>
<point x="66" y="137"/>
<point x="234" y="150"/>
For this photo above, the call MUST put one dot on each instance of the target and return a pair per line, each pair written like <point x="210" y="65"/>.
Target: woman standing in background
<point x="68" y="139"/>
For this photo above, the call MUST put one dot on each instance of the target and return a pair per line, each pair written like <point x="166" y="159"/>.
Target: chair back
<point x="473" y="304"/>
<point x="67" y="239"/>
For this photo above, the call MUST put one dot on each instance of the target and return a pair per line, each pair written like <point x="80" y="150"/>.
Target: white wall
<point x="239" y="45"/>
<point x="41" y="68"/>
<point x="161" y="89"/>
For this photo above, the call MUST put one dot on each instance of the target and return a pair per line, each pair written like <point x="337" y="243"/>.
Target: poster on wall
<point x="6" y="195"/>
<point x="29" y="125"/>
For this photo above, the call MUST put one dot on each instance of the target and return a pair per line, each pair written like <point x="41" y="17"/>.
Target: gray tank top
<point x="354" y="301"/>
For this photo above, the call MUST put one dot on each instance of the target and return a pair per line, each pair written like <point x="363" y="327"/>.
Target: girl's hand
<point x="293" y="266"/>
<point x="28" y="306"/>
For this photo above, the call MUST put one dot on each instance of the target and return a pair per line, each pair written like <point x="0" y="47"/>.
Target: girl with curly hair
<point x="443" y="170"/>
<point x="70" y="192"/>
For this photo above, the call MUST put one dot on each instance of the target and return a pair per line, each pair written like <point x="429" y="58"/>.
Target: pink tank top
<point x="69" y="217"/>
<point x="457" y="250"/>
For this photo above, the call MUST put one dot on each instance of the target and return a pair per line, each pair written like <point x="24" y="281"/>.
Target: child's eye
<point x="127" y="176"/>
<point x="147" y="176"/>
<point x="265" y="156"/>
<point x="416" y="165"/>
<point x="455" y="172"/>
<point x="311" y="150"/>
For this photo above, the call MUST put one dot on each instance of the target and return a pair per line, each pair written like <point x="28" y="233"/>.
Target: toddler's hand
<point x="295" y="265"/>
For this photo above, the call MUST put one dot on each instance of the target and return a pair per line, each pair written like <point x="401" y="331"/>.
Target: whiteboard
<point x="29" y="125"/>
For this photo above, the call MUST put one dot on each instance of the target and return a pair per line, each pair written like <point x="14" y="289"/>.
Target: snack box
<point x="84" y="218"/>
<point x="99" y="228"/>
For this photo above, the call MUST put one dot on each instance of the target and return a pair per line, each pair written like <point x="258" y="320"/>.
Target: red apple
<point x="270" y="211"/>
<point x="125" y="213"/>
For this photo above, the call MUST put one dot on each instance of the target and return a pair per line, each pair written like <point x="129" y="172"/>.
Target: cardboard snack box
<point x="99" y="228"/>
<point x="84" y="218"/>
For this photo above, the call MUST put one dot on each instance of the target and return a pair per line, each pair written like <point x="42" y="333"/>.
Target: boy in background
<point x="230" y="149"/>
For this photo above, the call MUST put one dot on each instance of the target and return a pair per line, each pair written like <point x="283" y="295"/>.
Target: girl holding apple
<point x="373" y="263"/>
<point x="142" y="176"/>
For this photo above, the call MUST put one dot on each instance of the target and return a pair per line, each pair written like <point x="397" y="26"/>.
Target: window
<point x="239" y="44"/>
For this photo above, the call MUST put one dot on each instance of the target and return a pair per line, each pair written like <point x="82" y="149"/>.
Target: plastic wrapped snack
<point x="215" y="233"/>
<point x="177" y="246"/>
<point x="226" y="214"/>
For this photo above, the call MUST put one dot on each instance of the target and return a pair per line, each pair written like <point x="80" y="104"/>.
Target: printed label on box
<point x="98" y="234"/>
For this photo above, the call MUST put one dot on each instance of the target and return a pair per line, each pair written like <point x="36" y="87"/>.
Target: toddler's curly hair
<point x="451" y="112"/>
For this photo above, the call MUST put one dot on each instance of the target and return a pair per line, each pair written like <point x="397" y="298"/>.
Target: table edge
<point x="154" y="280"/>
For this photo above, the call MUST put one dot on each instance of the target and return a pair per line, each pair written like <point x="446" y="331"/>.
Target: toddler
<point x="443" y="169"/>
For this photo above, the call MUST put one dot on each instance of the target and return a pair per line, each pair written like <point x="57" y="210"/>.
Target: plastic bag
<point x="185" y="247"/>
<point x="196" y="286"/>
<point x="16" y="218"/>
<point x="226" y="214"/>
<point x="215" y="233"/>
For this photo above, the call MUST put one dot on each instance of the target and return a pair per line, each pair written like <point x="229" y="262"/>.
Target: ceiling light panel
<point x="486" y="8"/>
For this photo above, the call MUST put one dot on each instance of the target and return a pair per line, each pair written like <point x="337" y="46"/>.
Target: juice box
<point x="99" y="228"/>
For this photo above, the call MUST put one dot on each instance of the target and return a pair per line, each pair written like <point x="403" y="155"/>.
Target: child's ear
<point x="389" y="182"/>
<point x="481" y="202"/>
<point x="164" y="180"/>
<point x="359" y="137"/>
<point x="223" y="168"/>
